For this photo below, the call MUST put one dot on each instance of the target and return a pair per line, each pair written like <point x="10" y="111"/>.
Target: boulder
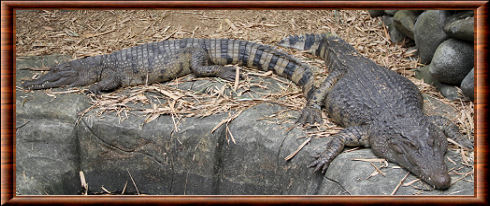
<point x="404" y="21"/>
<point x="452" y="60"/>
<point x="429" y="33"/>
<point x="46" y="150"/>
<point x="455" y="15"/>
<point x="46" y="157"/>
<point x="461" y="29"/>
<point x="468" y="85"/>
<point x="387" y="20"/>
<point x="448" y="91"/>
<point x="395" y="35"/>
<point x="256" y="165"/>
<point x="424" y="74"/>
<point x="160" y="159"/>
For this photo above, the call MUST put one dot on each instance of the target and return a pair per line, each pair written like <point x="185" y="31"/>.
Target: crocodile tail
<point x="317" y="44"/>
<point x="307" y="42"/>
<point x="263" y="57"/>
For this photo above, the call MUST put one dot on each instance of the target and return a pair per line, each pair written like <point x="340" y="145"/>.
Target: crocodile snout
<point x="441" y="181"/>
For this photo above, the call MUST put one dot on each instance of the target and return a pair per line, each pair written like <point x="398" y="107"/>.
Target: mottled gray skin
<point x="379" y="109"/>
<point x="163" y="61"/>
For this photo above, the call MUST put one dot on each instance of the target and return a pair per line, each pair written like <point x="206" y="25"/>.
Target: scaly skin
<point x="379" y="109"/>
<point x="163" y="61"/>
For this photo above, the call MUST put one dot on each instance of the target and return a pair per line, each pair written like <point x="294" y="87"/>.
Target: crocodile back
<point x="368" y="92"/>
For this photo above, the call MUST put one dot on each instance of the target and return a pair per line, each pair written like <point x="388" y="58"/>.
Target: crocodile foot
<point x="334" y="148"/>
<point x="310" y="115"/>
<point x="229" y="73"/>
<point x="93" y="90"/>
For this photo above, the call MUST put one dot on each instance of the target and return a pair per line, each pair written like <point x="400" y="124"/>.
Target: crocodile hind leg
<point x="350" y="136"/>
<point x="201" y="67"/>
<point x="451" y="131"/>
<point x="312" y="112"/>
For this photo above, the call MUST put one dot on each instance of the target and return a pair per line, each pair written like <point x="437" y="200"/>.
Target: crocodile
<point x="166" y="60"/>
<point x="378" y="108"/>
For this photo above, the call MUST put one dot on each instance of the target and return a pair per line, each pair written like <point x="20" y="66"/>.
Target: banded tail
<point x="327" y="46"/>
<point x="317" y="44"/>
<point x="250" y="54"/>
<point x="306" y="42"/>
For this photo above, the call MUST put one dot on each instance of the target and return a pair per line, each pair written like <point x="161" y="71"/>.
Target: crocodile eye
<point x="413" y="145"/>
<point x="431" y="142"/>
<point x="397" y="148"/>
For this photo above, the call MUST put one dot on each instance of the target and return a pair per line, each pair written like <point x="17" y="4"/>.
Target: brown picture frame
<point x="8" y="104"/>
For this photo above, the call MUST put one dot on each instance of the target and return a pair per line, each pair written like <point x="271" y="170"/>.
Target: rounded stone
<point x="452" y="60"/>
<point x="461" y="29"/>
<point x="448" y="91"/>
<point x="424" y="74"/>
<point x="404" y="21"/>
<point x="468" y="85"/>
<point x="395" y="35"/>
<point x="429" y="33"/>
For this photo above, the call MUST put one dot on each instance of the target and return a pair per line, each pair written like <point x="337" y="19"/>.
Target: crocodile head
<point x="416" y="145"/>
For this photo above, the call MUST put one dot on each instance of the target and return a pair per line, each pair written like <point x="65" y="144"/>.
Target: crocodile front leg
<point x="451" y="131"/>
<point x="312" y="112"/>
<point x="350" y="136"/>
<point x="106" y="84"/>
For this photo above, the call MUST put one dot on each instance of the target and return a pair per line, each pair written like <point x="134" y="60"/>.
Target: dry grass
<point x="93" y="32"/>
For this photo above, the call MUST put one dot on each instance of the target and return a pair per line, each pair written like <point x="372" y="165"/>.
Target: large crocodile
<point x="166" y="60"/>
<point x="378" y="108"/>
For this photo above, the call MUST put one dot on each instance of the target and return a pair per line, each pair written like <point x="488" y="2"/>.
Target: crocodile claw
<point x="93" y="91"/>
<point x="310" y="115"/>
<point x="320" y="163"/>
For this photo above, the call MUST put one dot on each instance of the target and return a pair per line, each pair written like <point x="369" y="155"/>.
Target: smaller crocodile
<point x="378" y="108"/>
<point x="166" y="60"/>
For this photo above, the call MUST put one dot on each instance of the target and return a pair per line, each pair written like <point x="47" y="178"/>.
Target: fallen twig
<point x="297" y="150"/>
<point x="400" y="183"/>
<point x="134" y="183"/>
